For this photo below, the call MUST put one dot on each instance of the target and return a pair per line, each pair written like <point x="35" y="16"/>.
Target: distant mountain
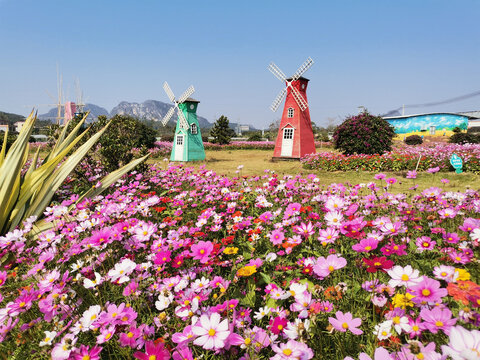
<point x="95" y="111"/>
<point x="10" y="119"/>
<point x="151" y="110"/>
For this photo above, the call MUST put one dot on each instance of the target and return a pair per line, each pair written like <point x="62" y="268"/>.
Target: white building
<point x="18" y="126"/>
<point x="4" y="128"/>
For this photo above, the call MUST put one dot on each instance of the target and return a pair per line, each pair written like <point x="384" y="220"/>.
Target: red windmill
<point x="295" y="135"/>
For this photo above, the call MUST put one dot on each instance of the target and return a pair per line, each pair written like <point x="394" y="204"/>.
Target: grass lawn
<point x="255" y="162"/>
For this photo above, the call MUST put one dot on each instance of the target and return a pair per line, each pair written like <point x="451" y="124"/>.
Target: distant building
<point x="18" y="126"/>
<point x="434" y="124"/>
<point x="4" y="127"/>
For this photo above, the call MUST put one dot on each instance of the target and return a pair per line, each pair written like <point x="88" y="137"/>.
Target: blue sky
<point x="378" y="54"/>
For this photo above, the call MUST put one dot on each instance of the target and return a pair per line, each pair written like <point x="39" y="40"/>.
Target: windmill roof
<point x="191" y="100"/>
<point x="300" y="78"/>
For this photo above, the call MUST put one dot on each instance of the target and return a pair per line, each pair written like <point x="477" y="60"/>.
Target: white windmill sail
<point x="183" y="121"/>
<point x="275" y="70"/>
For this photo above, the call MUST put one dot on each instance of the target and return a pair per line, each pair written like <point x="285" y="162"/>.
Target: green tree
<point x="364" y="134"/>
<point x="221" y="131"/>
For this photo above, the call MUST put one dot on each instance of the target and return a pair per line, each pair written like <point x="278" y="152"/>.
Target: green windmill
<point x="187" y="142"/>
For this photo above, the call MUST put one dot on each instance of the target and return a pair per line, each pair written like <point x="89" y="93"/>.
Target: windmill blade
<point x="302" y="103"/>
<point x="186" y="94"/>
<point x="275" y="70"/>
<point x="183" y="121"/>
<point x="304" y="67"/>
<point x="168" y="115"/>
<point x="168" y="91"/>
<point x="278" y="100"/>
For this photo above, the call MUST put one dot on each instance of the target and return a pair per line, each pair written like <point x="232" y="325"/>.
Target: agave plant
<point x="25" y="194"/>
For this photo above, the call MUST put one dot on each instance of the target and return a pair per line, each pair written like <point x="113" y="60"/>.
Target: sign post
<point x="457" y="163"/>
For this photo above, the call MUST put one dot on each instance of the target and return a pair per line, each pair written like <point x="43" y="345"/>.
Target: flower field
<point x="402" y="158"/>
<point x="185" y="264"/>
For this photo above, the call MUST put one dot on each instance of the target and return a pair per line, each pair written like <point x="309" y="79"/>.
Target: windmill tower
<point x="187" y="142"/>
<point x="295" y="134"/>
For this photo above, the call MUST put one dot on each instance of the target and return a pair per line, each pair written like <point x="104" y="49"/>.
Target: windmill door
<point x="287" y="142"/>
<point x="179" y="146"/>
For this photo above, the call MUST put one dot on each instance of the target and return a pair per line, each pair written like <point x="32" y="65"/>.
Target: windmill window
<point x="192" y="106"/>
<point x="193" y="129"/>
<point x="290" y="112"/>
<point x="288" y="133"/>
<point x="179" y="140"/>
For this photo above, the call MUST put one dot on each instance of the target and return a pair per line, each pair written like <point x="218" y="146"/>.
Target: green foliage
<point x="464" y="138"/>
<point x="414" y="140"/>
<point x="457" y="130"/>
<point x="364" y="134"/>
<point x="221" y="131"/>
<point x="10" y="139"/>
<point x="256" y="136"/>
<point x="10" y="119"/>
<point x="25" y="194"/>
<point x="124" y="134"/>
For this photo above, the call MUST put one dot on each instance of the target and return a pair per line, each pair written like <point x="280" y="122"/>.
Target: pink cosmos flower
<point x="211" y="332"/>
<point x="380" y="354"/>
<point x="162" y="257"/>
<point x="344" y="322"/>
<point x="463" y="344"/>
<point x="411" y="174"/>
<point x="305" y="230"/>
<point x="425" y="243"/>
<point x="277" y="237"/>
<point x="323" y="267"/>
<point x="437" y="319"/>
<point x="380" y="176"/>
<point x="328" y="236"/>
<point x="152" y="351"/>
<point x="391" y="181"/>
<point x="201" y="251"/>
<point x="292" y="350"/>
<point x="428" y="291"/>
<point x="447" y="213"/>
<point x="182" y="353"/>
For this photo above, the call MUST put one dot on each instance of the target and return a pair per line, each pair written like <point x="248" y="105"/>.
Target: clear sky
<point x="378" y="54"/>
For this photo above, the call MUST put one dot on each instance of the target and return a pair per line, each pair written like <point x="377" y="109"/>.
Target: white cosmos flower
<point x="49" y="336"/>
<point x="88" y="284"/>
<point x="164" y="301"/>
<point x="263" y="311"/>
<point x="383" y="330"/>
<point x="271" y="257"/>
<point x="403" y="276"/>
<point x="121" y="271"/>
<point x="89" y="317"/>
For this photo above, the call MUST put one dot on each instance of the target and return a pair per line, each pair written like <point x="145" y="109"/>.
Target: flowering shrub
<point x="413" y="140"/>
<point x="401" y="158"/>
<point x="187" y="264"/>
<point x="364" y="134"/>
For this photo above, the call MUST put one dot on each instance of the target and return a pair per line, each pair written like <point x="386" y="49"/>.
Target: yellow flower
<point x="230" y="250"/>
<point x="247" y="270"/>
<point x="402" y="301"/>
<point x="462" y="275"/>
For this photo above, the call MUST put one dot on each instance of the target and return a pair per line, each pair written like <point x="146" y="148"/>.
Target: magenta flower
<point x="153" y="352"/>
<point x="84" y="352"/>
<point x="366" y="245"/>
<point x="344" y="322"/>
<point x="437" y="319"/>
<point x="391" y="181"/>
<point x="212" y="333"/>
<point x="433" y="170"/>
<point x="201" y="251"/>
<point x="380" y="176"/>
<point x="277" y="237"/>
<point x="163" y="257"/>
<point x="277" y="325"/>
<point x="428" y="291"/>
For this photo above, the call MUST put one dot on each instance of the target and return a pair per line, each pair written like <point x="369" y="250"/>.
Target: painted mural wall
<point x="428" y="124"/>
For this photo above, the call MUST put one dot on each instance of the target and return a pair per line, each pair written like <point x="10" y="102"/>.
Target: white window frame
<point x="290" y="112"/>
<point x="194" y="129"/>
<point x="180" y="139"/>
<point x="288" y="133"/>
